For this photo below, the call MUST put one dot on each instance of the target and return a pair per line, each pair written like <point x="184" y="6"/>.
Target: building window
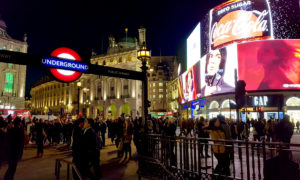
<point x="161" y="96"/>
<point x="154" y="90"/>
<point x="153" y="96"/>
<point x="10" y="65"/>
<point x="120" y="60"/>
<point x="161" y="84"/>
<point x="125" y="87"/>
<point x="9" y="82"/>
<point x="112" y="88"/>
<point x="153" y="74"/>
<point x="161" y="90"/>
<point x="153" y="85"/>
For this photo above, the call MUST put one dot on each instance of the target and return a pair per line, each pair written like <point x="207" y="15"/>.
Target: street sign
<point x="59" y="63"/>
<point x="62" y="74"/>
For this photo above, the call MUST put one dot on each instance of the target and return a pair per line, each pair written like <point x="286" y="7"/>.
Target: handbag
<point x="120" y="147"/>
<point x="26" y="138"/>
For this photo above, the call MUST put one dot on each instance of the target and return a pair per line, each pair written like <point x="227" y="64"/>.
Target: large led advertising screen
<point x="194" y="47"/>
<point x="217" y="71"/>
<point x="236" y="21"/>
<point x="189" y="84"/>
<point x="270" y="65"/>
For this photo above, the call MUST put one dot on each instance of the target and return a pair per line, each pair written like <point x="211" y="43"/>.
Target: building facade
<point x="172" y="96"/>
<point x="109" y="97"/>
<point x="12" y="76"/>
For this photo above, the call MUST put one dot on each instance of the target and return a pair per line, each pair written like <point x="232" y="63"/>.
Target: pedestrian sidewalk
<point x="113" y="168"/>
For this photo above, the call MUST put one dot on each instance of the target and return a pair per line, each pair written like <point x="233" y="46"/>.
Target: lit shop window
<point x="9" y="82"/>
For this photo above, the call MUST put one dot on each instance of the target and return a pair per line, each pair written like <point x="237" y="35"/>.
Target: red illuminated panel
<point x="270" y="65"/>
<point x="239" y="21"/>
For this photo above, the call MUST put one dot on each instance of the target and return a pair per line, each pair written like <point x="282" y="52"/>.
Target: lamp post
<point x="144" y="55"/>
<point x="79" y="86"/>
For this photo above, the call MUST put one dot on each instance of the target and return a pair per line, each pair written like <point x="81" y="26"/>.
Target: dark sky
<point x="86" y="25"/>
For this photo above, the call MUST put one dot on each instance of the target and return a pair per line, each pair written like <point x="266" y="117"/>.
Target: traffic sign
<point x="62" y="74"/>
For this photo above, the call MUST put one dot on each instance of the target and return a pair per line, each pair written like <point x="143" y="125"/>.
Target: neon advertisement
<point x="270" y="65"/>
<point x="194" y="47"/>
<point x="240" y="20"/>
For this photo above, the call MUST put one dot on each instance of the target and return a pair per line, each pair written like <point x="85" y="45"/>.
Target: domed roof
<point x="129" y="40"/>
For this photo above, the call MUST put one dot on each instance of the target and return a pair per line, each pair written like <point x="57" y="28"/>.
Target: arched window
<point x="293" y="101"/>
<point x="9" y="82"/>
<point x="214" y="105"/>
<point x="225" y="104"/>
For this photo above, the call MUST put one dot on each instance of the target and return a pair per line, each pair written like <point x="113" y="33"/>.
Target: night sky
<point x="86" y="25"/>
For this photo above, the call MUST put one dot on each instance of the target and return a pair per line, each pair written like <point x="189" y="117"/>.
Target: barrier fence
<point x="181" y="158"/>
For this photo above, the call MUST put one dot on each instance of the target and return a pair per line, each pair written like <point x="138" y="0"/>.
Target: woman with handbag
<point x="127" y="138"/>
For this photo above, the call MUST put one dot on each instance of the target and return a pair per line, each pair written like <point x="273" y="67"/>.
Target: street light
<point x="79" y="86"/>
<point x="144" y="55"/>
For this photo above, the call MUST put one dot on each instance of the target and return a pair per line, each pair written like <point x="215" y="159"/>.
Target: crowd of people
<point x="86" y="137"/>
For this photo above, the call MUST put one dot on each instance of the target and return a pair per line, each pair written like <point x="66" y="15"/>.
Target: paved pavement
<point x="32" y="168"/>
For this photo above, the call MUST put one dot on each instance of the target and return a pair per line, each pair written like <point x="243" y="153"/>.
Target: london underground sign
<point x="63" y="74"/>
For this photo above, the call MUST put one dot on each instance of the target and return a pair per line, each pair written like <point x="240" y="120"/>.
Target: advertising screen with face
<point x="217" y="71"/>
<point x="194" y="47"/>
<point x="270" y="64"/>
<point x="189" y="88"/>
<point x="240" y="20"/>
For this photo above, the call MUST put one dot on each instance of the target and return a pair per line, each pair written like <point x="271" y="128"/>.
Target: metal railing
<point x="73" y="169"/>
<point x="183" y="157"/>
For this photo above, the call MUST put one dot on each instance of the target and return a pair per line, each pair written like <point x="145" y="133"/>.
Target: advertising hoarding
<point x="270" y="65"/>
<point x="217" y="71"/>
<point x="237" y="21"/>
<point x="189" y="84"/>
<point x="194" y="47"/>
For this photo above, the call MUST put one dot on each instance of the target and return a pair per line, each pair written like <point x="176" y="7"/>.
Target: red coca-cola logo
<point x="239" y="25"/>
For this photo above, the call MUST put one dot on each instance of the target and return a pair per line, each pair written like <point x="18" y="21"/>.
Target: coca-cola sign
<point x="240" y="20"/>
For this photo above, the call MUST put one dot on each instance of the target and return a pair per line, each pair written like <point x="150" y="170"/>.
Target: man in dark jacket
<point x="284" y="130"/>
<point x="76" y="145"/>
<point x="16" y="145"/>
<point x="90" y="155"/>
<point x="170" y="131"/>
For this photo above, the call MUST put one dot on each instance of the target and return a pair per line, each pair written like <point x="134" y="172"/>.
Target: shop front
<point x="293" y="108"/>
<point x="228" y="110"/>
<point x="263" y="106"/>
<point x="213" y="109"/>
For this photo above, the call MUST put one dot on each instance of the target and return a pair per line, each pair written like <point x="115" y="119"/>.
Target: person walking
<point x="128" y="131"/>
<point x="40" y="135"/>
<point x="103" y="131"/>
<point x="15" y="137"/>
<point x="284" y="130"/>
<point x="90" y="154"/>
<point x="219" y="130"/>
<point x="76" y="146"/>
<point x="297" y="125"/>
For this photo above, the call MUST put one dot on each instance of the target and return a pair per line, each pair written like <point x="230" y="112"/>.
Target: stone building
<point x="161" y="71"/>
<point x="109" y="97"/>
<point x="12" y="76"/>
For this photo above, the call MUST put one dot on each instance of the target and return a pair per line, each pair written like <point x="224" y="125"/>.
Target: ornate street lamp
<point x="79" y="86"/>
<point x="144" y="55"/>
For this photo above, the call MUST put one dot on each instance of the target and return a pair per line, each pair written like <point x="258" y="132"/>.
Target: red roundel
<point x="61" y="74"/>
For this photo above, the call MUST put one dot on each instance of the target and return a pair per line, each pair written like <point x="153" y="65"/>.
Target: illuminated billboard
<point x="189" y="84"/>
<point x="237" y="21"/>
<point x="217" y="71"/>
<point x="270" y="65"/>
<point x="194" y="47"/>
